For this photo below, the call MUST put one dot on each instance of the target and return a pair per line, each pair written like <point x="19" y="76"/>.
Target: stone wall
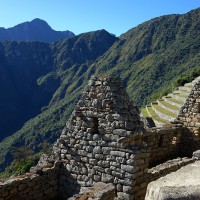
<point x="40" y="184"/>
<point x="167" y="167"/>
<point x="102" y="142"/>
<point x="164" y="143"/>
<point x="189" y="117"/>
<point x="189" y="114"/>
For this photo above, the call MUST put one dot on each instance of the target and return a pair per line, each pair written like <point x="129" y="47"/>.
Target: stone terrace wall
<point x="42" y="184"/>
<point x="102" y="142"/>
<point x="189" y="117"/>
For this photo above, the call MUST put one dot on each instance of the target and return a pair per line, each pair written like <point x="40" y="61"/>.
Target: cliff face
<point x="36" y="30"/>
<point x="21" y="64"/>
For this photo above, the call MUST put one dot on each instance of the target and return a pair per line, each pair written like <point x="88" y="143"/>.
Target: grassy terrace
<point x="185" y="91"/>
<point x="160" y="109"/>
<point x="155" y="116"/>
<point x="181" y="95"/>
<point x="144" y="112"/>
<point x="189" y="86"/>
<point x="175" y="100"/>
<point x="168" y="104"/>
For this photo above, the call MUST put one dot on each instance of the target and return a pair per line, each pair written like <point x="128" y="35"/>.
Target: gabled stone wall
<point x="102" y="142"/>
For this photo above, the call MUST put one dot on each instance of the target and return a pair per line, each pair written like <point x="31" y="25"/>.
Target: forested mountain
<point x="37" y="77"/>
<point x="36" y="30"/>
<point x="148" y="58"/>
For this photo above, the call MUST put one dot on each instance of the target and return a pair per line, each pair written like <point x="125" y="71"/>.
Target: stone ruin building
<point x="104" y="151"/>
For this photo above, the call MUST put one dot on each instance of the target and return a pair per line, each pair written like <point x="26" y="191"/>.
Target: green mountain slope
<point x="21" y="64"/>
<point x="78" y="53"/>
<point x="148" y="58"/>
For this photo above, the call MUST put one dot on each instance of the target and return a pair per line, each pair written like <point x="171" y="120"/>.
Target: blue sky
<point x="116" y="16"/>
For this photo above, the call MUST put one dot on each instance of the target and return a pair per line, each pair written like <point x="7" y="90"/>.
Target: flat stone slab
<point x="196" y="154"/>
<point x="183" y="184"/>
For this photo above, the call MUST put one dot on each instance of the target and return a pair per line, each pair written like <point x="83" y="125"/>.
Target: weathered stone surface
<point x="196" y="154"/>
<point x="40" y="184"/>
<point x="106" y="119"/>
<point x="183" y="184"/>
<point x="104" y="140"/>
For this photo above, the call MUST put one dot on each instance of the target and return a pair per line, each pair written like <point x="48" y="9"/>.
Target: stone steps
<point x="168" y="106"/>
<point x="184" y="92"/>
<point x="172" y="101"/>
<point x="166" y="109"/>
<point x="196" y="80"/>
<point x="178" y="96"/>
<point x="163" y="113"/>
<point x="187" y="88"/>
<point x="157" y="120"/>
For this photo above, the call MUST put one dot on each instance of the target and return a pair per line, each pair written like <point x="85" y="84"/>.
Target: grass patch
<point x="175" y="100"/>
<point x="160" y="109"/>
<point x="155" y="116"/>
<point x="168" y="105"/>
<point x="144" y="112"/>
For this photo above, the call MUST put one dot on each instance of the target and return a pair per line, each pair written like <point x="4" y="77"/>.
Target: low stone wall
<point x="42" y="184"/>
<point x="163" y="143"/>
<point x="167" y="167"/>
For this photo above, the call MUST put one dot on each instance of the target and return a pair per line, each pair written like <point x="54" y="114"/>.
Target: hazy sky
<point x="116" y="16"/>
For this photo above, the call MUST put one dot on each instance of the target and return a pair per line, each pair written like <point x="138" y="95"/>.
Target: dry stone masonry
<point x="190" y="112"/>
<point x="104" y="151"/>
<point x="102" y="142"/>
<point x="40" y="183"/>
<point x="189" y="117"/>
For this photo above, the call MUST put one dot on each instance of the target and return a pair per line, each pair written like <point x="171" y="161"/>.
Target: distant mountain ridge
<point x="36" y="30"/>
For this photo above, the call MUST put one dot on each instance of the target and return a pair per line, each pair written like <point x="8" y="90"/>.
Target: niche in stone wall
<point x="95" y="128"/>
<point x="161" y="141"/>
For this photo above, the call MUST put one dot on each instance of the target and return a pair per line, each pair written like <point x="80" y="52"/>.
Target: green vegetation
<point x="144" y="112"/>
<point x="155" y="116"/>
<point x="168" y="105"/>
<point x="187" y="77"/>
<point x="180" y="81"/>
<point x="149" y="58"/>
<point x="175" y="100"/>
<point x="20" y="165"/>
<point x="181" y="95"/>
<point x="162" y="110"/>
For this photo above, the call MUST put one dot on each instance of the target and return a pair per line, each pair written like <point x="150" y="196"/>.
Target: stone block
<point x="118" y="153"/>
<point x="196" y="154"/>
<point x="128" y="168"/>
<point x="124" y="196"/>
